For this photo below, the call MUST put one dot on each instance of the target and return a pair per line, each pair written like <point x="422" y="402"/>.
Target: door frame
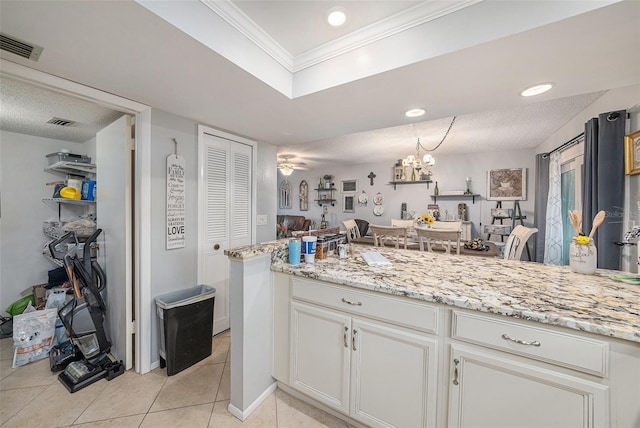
<point x="142" y="183"/>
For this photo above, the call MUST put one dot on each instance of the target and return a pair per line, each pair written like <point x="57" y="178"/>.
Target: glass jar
<point x="583" y="258"/>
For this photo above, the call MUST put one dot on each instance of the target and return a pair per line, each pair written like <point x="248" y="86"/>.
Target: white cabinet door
<point x="320" y="343"/>
<point x="224" y="214"/>
<point x="393" y="376"/>
<point x="491" y="391"/>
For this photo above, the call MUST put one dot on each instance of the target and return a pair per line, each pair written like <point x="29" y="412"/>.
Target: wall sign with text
<point x="175" y="201"/>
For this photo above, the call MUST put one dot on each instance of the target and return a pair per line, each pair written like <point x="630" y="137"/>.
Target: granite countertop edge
<point x="530" y="291"/>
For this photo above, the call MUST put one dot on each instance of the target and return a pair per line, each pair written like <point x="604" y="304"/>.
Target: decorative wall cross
<point x="371" y="176"/>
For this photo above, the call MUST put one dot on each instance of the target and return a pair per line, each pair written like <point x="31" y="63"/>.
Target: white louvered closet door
<point x="225" y="218"/>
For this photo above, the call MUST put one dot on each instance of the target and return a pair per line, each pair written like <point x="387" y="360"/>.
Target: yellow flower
<point x="424" y="219"/>
<point x="582" y="240"/>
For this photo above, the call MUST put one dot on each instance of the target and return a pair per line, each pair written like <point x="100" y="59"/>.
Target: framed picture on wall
<point x="349" y="203"/>
<point x="349" y="186"/>
<point x="507" y="184"/>
<point x="632" y="153"/>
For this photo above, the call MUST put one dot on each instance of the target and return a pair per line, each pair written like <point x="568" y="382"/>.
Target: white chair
<point x="517" y="241"/>
<point x="396" y="222"/>
<point x="353" y="232"/>
<point x="382" y="233"/>
<point x="439" y="237"/>
<point x="447" y="225"/>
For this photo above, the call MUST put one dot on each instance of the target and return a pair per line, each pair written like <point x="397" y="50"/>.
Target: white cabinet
<point x="385" y="360"/>
<point x="377" y="373"/>
<point x="320" y="344"/>
<point x="494" y="388"/>
<point x="466" y="231"/>
<point x="488" y="390"/>
<point x="393" y="376"/>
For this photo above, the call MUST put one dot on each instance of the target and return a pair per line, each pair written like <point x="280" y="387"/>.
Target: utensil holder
<point x="583" y="258"/>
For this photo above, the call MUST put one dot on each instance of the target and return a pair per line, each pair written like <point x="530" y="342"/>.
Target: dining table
<point x="490" y="248"/>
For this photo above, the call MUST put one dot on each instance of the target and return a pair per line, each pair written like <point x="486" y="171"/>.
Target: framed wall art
<point x="507" y="184"/>
<point x="632" y="153"/>
<point x="349" y="203"/>
<point x="285" y="195"/>
<point x="349" y="186"/>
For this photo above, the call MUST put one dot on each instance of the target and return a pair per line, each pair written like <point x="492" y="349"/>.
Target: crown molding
<point x="402" y="21"/>
<point x="390" y="26"/>
<point x="248" y="28"/>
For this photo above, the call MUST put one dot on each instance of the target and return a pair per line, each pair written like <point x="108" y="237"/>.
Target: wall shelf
<point x="73" y="168"/>
<point x="68" y="201"/>
<point x="325" y="196"/>
<point x="410" y="182"/>
<point x="465" y="196"/>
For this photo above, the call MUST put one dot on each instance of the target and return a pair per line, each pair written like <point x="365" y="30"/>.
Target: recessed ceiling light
<point x="415" y="112"/>
<point x="536" y="90"/>
<point x="337" y="16"/>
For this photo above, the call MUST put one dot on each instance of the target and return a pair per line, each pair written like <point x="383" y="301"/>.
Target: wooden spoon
<point x="578" y="216"/>
<point x="597" y="221"/>
<point x="572" y="219"/>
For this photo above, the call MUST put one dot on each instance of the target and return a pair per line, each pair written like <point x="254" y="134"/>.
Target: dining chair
<point x="396" y="222"/>
<point x="382" y="233"/>
<point x="447" y="225"/>
<point x="353" y="232"/>
<point x="439" y="237"/>
<point x="517" y="241"/>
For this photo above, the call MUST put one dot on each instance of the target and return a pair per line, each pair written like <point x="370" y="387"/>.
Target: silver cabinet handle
<point x="455" y="371"/>
<point x="521" y="342"/>
<point x="351" y="303"/>
<point x="353" y="339"/>
<point x="346" y="330"/>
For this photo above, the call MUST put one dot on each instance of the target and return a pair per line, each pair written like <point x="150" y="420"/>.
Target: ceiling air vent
<point x="60" y="122"/>
<point x="20" y="47"/>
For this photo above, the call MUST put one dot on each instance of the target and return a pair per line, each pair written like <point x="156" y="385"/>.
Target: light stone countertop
<point x="532" y="291"/>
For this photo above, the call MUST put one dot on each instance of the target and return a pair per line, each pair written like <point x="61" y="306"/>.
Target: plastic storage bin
<point x="186" y="327"/>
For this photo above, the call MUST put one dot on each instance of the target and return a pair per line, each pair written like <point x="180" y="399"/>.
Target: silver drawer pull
<point x="351" y="303"/>
<point x="455" y="371"/>
<point x="521" y="342"/>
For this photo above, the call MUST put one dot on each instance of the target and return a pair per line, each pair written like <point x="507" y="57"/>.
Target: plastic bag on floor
<point x="33" y="336"/>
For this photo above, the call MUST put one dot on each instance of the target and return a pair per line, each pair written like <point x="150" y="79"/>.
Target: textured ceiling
<point x="25" y="109"/>
<point x="506" y="129"/>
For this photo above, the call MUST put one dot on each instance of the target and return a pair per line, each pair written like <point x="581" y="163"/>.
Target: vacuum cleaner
<point x="84" y="359"/>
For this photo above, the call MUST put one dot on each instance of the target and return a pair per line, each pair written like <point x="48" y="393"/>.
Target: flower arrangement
<point x="424" y="219"/>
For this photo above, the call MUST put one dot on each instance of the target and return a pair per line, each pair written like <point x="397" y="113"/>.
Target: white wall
<point x="450" y="172"/>
<point x="266" y="198"/>
<point x="178" y="268"/>
<point x="23" y="187"/>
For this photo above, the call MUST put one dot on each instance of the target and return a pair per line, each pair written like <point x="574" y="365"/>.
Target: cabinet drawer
<point x="417" y="315"/>
<point x="563" y="349"/>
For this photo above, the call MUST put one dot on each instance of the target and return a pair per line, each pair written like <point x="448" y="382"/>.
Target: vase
<point x="583" y="258"/>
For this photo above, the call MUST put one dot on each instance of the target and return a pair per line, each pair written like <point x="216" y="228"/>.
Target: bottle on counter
<point x="436" y="191"/>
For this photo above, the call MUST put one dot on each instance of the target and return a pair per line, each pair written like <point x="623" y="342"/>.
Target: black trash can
<point x="186" y="327"/>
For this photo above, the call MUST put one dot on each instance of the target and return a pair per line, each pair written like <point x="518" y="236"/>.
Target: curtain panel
<point x="540" y="207"/>
<point x="603" y="183"/>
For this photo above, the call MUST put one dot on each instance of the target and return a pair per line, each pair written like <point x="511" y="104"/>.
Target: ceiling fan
<point x="287" y="167"/>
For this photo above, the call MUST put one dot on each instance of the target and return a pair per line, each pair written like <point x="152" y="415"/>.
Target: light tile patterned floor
<point x="32" y="396"/>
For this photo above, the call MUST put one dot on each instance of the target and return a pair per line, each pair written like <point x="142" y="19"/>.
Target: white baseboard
<point x="242" y="415"/>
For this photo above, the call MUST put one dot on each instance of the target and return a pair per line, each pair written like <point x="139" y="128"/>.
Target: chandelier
<point x="427" y="161"/>
<point x="286" y="169"/>
<point x="416" y="163"/>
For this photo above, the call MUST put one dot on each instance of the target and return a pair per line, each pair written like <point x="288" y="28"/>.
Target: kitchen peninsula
<point x="435" y="339"/>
